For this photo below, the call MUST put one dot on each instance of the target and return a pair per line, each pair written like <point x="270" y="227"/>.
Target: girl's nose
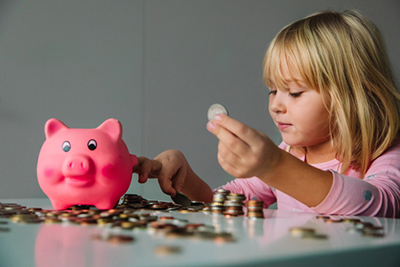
<point x="276" y="104"/>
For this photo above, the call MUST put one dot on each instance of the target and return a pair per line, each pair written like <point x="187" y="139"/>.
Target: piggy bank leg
<point x="106" y="204"/>
<point x="57" y="205"/>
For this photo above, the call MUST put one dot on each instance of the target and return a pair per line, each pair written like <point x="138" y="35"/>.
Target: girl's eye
<point x="272" y="92"/>
<point x="295" y="95"/>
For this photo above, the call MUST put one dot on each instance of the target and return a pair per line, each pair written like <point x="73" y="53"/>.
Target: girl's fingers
<point x="179" y="180"/>
<point x="230" y="140"/>
<point x="147" y="168"/>
<point x="245" y="133"/>
<point x="228" y="167"/>
<point x="137" y="167"/>
<point x="142" y="169"/>
<point x="227" y="154"/>
<point x="165" y="181"/>
<point x="166" y="186"/>
<point x="170" y="176"/>
<point x="169" y="167"/>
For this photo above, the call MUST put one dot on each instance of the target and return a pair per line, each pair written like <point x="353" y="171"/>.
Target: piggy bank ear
<point x="52" y="126"/>
<point x="112" y="127"/>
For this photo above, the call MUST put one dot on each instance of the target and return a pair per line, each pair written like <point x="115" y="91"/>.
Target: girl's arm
<point x="378" y="194"/>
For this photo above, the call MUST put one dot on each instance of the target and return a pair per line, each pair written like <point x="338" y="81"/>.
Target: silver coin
<point x="216" y="109"/>
<point x="182" y="199"/>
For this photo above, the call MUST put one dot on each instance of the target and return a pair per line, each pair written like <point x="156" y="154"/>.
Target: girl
<point x="335" y="101"/>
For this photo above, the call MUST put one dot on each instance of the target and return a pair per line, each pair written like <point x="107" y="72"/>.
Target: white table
<point x="261" y="242"/>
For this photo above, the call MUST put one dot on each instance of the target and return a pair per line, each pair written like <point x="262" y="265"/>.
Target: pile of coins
<point x="365" y="228"/>
<point x="217" y="206"/>
<point x="133" y="201"/>
<point x="133" y="212"/>
<point x="231" y="205"/>
<point x="136" y="213"/>
<point x="124" y="215"/>
<point x="370" y="230"/>
<point x="227" y="203"/>
<point x="234" y="205"/>
<point x="174" y="228"/>
<point x="255" y="208"/>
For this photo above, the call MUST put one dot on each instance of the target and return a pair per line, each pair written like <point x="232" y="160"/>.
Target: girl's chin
<point x="294" y="144"/>
<point x="291" y="142"/>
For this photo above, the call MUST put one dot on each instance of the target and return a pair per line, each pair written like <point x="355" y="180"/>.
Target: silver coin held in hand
<point x="216" y="109"/>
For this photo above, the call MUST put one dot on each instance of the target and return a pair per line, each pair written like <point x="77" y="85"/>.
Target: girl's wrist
<point x="271" y="170"/>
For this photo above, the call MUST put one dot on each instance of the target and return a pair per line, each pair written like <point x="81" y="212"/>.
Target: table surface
<point x="259" y="242"/>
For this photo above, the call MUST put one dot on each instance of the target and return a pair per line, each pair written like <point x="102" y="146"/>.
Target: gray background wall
<point x="155" y="65"/>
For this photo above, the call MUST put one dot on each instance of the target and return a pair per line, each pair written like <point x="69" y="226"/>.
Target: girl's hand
<point x="170" y="167"/>
<point x="242" y="151"/>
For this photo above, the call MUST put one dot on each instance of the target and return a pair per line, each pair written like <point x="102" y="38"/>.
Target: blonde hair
<point x="342" y="55"/>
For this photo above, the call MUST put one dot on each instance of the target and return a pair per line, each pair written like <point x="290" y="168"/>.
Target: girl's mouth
<point x="283" y="126"/>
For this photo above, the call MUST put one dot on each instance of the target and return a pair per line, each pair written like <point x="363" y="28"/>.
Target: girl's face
<point x="299" y="113"/>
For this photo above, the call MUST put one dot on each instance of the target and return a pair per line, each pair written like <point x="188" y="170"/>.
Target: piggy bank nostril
<point x="77" y="165"/>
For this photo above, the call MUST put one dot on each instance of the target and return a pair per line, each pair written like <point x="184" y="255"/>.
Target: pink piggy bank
<point x="84" y="166"/>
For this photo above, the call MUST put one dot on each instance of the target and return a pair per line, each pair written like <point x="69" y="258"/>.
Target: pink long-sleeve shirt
<point x="376" y="194"/>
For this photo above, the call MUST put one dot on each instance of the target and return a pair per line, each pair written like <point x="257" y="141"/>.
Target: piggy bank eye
<point x="66" y="146"/>
<point x="92" y="144"/>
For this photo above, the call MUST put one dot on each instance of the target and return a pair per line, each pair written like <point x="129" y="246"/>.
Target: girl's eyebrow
<point x="292" y="80"/>
<point x="271" y="83"/>
<point x="297" y="81"/>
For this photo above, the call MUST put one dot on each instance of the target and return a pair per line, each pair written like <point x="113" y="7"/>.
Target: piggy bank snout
<point x="77" y="165"/>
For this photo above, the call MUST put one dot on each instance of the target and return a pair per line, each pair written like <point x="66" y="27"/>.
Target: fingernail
<point x="218" y="117"/>
<point x="210" y="126"/>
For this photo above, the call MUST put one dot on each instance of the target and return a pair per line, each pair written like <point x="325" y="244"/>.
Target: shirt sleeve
<point x="378" y="194"/>
<point x="252" y="188"/>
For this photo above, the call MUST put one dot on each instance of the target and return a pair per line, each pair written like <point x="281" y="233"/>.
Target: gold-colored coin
<point x="166" y="218"/>
<point x="224" y="239"/>
<point x="351" y="220"/>
<point x="187" y="211"/>
<point x="255" y="203"/>
<point x="52" y="220"/>
<point x="163" y="250"/>
<point x="23" y="217"/>
<point x="103" y="221"/>
<point x="301" y="231"/>
<point x="120" y="239"/>
<point x="34" y="209"/>
<point x="333" y="220"/>
<point x="315" y="236"/>
<point x="371" y="234"/>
